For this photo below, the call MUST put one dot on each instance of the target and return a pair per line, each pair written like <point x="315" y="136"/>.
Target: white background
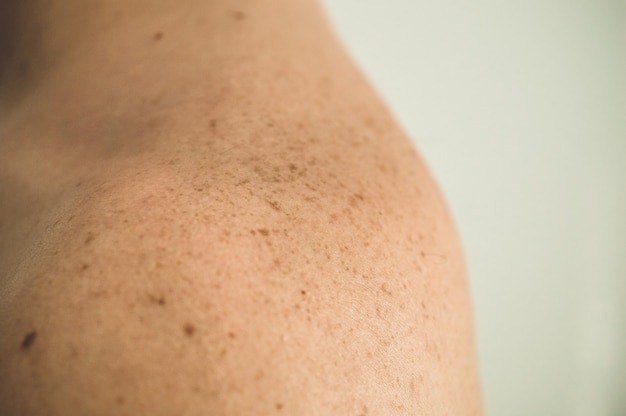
<point x="519" y="107"/>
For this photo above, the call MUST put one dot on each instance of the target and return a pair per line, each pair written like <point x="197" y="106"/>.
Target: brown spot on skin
<point x="303" y="292"/>
<point x="232" y="335"/>
<point x="239" y="15"/>
<point x="355" y="199"/>
<point x="385" y="290"/>
<point x="264" y="232"/>
<point x="158" y="300"/>
<point x="120" y="400"/>
<point x="90" y="237"/>
<point x="189" y="329"/>
<point x="84" y="267"/>
<point x="293" y="167"/>
<point x="29" y="340"/>
<point x="279" y="406"/>
<point x="252" y="232"/>
<point x="213" y="123"/>
<point x="275" y="205"/>
<point x="157" y="36"/>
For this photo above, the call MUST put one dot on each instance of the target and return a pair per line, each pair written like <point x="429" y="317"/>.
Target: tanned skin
<point x="206" y="210"/>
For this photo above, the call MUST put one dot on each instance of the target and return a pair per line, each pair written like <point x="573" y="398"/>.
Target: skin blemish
<point x="189" y="329"/>
<point x="157" y="36"/>
<point x="157" y="300"/>
<point x="90" y="237"/>
<point x="29" y="340"/>
<point x="253" y="232"/>
<point x="84" y="267"/>
<point x="232" y="335"/>
<point x="120" y="400"/>
<point x="385" y="290"/>
<point x="275" y="205"/>
<point x="264" y="232"/>
<point x="213" y="123"/>
<point x="239" y="15"/>
<point x="303" y="292"/>
<point x="279" y="406"/>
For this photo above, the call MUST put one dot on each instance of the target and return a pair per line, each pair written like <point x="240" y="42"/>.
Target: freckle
<point x="293" y="167"/>
<point x="239" y="15"/>
<point x="303" y="292"/>
<point x="84" y="266"/>
<point x="300" y="126"/>
<point x="189" y="329"/>
<point x="232" y="335"/>
<point x="29" y="339"/>
<point x="90" y="237"/>
<point x="120" y="400"/>
<point x="423" y="305"/>
<point x="264" y="232"/>
<point x="277" y="262"/>
<point x="279" y="406"/>
<point x="275" y="205"/>
<point x="213" y="123"/>
<point x="157" y="36"/>
<point x="252" y="232"/>
<point x="157" y="300"/>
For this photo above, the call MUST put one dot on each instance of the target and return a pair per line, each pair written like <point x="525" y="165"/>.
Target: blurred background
<point x="519" y="108"/>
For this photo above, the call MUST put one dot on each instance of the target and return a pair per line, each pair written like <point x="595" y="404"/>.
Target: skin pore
<point x="205" y="209"/>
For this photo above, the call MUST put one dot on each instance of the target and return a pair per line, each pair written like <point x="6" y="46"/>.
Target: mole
<point x="157" y="36"/>
<point x="189" y="329"/>
<point x="28" y="341"/>
<point x="239" y="15"/>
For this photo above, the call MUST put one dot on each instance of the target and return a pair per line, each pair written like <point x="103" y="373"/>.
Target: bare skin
<point x="205" y="210"/>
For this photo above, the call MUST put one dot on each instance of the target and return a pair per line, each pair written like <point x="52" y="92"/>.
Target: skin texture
<point x="206" y="210"/>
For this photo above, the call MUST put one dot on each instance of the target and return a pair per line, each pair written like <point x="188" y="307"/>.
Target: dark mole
<point x="157" y="36"/>
<point x="239" y="15"/>
<point x="84" y="266"/>
<point x="264" y="231"/>
<point x="303" y="292"/>
<point x="189" y="329"/>
<point x="279" y="406"/>
<point x="29" y="339"/>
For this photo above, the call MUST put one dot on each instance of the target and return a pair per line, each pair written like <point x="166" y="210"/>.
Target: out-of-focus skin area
<point x="205" y="209"/>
